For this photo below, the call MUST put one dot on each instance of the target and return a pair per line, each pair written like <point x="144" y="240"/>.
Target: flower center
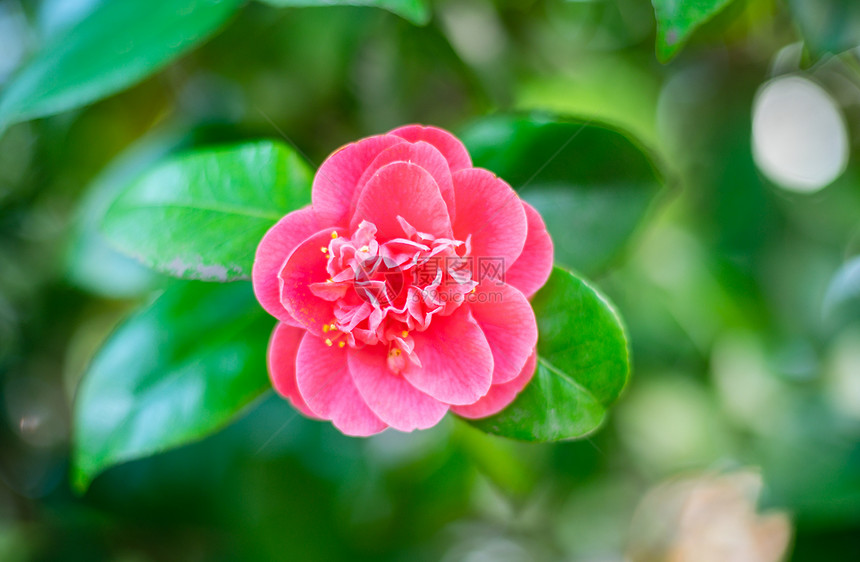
<point x="383" y="291"/>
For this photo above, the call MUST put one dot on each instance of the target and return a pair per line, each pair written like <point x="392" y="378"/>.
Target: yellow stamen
<point x="333" y="234"/>
<point x="328" y="342"/>
<point x="404" y="333"/>
<point x="332" y="326"/>
<point x="324" y="250"/>
<point x="326" y="328"/>
<point x="395" y="352"/>
<point x="341" y="344"/>
<point x="364" y="249"/>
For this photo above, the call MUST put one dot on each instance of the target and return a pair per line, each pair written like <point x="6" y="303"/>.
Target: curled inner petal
<point x="381" y="292"/>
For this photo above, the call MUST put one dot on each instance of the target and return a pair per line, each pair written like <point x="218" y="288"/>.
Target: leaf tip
<point x="80" y="478"/>
<point x="668" y="46"/>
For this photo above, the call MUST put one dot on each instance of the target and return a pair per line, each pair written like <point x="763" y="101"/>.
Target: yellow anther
<point x="404" y="333"/>
<point x="323" y="249"/>
<point x="395" y="352"/>
<point x="341" y="344"/>
<point x="326" y="328"/>
<point x="328" y="342"/>
<point x="364" y="249"/>
<point x="332" y="326"/>
<point x="333" y="234"/>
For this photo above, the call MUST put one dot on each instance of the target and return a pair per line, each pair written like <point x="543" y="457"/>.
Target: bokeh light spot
<point x="799" y="137"/>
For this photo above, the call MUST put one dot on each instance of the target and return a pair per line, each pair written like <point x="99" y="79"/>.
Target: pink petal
<point x="500" y="395"/>
<point x="489" y="210"/>
<point x="274" y="249"/>
<point x="325" y="383"/>
<point x="404" y="190"/>
<point x="283" y="347"/>
<point x="421" y="153"/>
<point x="450" y="147"/>
<point x="338" y="176"/>
<point x="508" y="323"/>
<point x="533" y="267"/>
<point x="390" y="396"/>
<point x="306" y="266"/>
<point x="456" y="360"/>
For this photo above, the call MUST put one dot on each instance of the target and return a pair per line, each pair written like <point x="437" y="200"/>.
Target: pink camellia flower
<point x="402" y="289"/>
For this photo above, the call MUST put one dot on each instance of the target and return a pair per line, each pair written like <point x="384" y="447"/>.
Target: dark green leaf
<point x="591" y="184"/>
<point x="173" y="373"/>
<point x="202" y="215"/>
<point x="677" y="19"/>
<point x="115" y="46"/>
<point x="416" y="11"/>
<point x="828" y="26"/>
<point x="583" y="365"/>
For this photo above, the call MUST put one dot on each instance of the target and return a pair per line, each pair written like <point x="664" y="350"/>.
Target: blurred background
<point x="737" y="437"/>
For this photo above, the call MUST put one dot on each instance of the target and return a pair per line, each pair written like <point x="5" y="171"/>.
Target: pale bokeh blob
<point x="799" y="136"/>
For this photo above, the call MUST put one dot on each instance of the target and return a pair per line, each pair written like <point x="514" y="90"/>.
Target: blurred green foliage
<point x="111" y="47"/>
<point x="617" y="181"/>
<point x="739" y="296"/>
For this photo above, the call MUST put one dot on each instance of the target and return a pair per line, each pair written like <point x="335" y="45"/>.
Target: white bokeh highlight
<point x="799" y="136"/>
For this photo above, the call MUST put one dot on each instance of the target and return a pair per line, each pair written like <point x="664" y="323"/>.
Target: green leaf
<point x="828" y="26"/>
<point x="173" y="373"/>
<point x="115" y="46"/>
<point x="592" y="185"/>
<point x="678" y="19"/>
<point x="201" y="216"/>
<point x="416" y="11"/>
<point x="583" y="365"/>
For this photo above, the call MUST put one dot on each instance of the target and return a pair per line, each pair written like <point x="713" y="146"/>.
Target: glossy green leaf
<point x="115" y="46"/>
<point x="828" y="26"/>
<point x="678" y="19"/>
<point x="173" y="373"/>
<point x="592" y="185"/>
<point x="416" y="11"/>
<point x="583" y="365"/>
<point x="201" y="216"/>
